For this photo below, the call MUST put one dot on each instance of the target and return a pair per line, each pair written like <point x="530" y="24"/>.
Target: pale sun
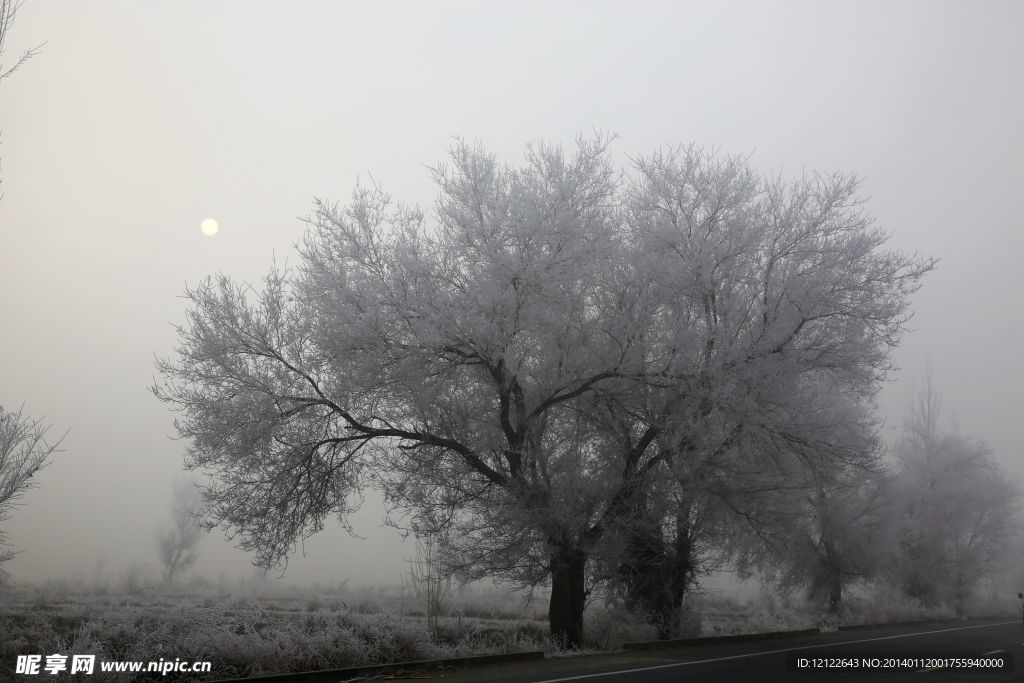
<point x="209" y="227"/>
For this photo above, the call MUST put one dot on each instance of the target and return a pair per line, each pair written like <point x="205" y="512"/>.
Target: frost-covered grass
<point x="251" y="627"/>
<point x="244" y="634"/>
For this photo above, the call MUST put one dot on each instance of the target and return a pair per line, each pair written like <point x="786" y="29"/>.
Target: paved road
<point x="770" y="660"/>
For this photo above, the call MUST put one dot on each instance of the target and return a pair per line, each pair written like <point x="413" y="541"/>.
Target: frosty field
<point x="253" y="627"/>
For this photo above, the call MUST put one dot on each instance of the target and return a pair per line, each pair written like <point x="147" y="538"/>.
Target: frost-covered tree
<point x="521" y="368"/>
<point x="769" y="297"/>
<point x="23" y="445"/>
<point x="958" y="511"/>
<point x="24" y="450"/>
<point x="803" y="505"/>
<point x="8" y="10"/>
<point x="831" y="529"/>
<point x="178" y="544"/>
<point x="439" y="364"/>
<point x="842" y="538"/>
<point x="657" y="555"/>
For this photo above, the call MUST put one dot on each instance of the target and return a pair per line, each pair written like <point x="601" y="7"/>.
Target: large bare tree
<point x="523" y="365"/>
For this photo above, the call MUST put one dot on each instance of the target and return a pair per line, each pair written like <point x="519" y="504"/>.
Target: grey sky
<point x="138" y="120"/>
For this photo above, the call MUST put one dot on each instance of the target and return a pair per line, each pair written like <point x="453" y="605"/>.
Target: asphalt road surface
<point x="862" y="655"/>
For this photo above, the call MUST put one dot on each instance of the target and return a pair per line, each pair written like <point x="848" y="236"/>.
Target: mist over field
<point x="679" y="309"/>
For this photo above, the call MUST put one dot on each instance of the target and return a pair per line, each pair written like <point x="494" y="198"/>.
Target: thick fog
<point x="136" y="121"/>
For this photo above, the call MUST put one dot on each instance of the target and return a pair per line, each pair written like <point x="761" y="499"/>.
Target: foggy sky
<point x="138" y="120"/>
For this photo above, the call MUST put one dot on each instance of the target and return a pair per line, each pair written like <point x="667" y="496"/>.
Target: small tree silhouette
<point x="430" y="581"/>
<point x="178" y="544"/>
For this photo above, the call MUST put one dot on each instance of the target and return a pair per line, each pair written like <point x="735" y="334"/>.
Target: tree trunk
<point x="959" y="595"/>
<point x="675" y="579"/>
<point x="834" y="577"/>
<point x="658" y="574"/>
<point x="568" y="595"/>
<point x="835" y="593"/>
<point x="683" y="568"/>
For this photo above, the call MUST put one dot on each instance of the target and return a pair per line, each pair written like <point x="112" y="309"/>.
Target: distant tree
<point x="24" y="450"/>
<point x="135" y="578"/>
<point x="833" y="533"/>
<point x="958" y="511"/>
<point x="524" y="369"/>
<point x="431" y="580"/>
<point x="178" y="544"/>
<point x="841" y="539"/>
<point x="844" y="525"/>
<point x="805" y="509"/>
